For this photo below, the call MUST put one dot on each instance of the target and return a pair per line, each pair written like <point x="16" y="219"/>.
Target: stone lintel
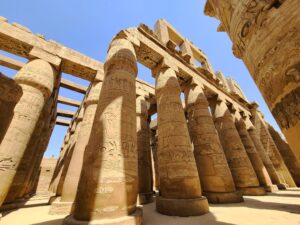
<point x="11" y="63"/>
<point x="65" y="113"/>
<point x="68" y="101"/>
<point x="62" y="122"/>
<point x="73" y="86"/>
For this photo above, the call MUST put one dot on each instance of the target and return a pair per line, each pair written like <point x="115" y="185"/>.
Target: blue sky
<point x="89" y="26"/>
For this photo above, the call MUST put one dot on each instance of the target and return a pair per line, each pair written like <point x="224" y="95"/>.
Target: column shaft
<point x="180" y="190"/>
<point x="215" y="175"/>
<point x="144" y="152"/>
<point x="108" y="186"/>
<point x="237" y="158"/>
<point x="37" y="80"/>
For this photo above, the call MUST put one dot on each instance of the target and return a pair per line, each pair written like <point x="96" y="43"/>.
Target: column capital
<point x="121" y="56"/>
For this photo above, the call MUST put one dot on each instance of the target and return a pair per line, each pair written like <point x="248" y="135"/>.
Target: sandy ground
<point x="282" y="208"/>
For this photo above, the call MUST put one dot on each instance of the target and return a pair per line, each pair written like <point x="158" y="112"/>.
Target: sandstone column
<point x="180" y="190"/>
<point x="24" y="169"/>
<point x="10" y="93"/>
<point x="266" y="36"/>
<point x="108" y="186"/>
<point x="275" y="156"/>
<point x="154" y="147"/>
<point x="263" y="155"/>
<point x="258" y="166"/>
<point x="65" y="204"/>
<point x="144" y="152"/>
<point x="37" y="80"/>
<point x="213" y="169"/>
<point x="291" y="161"/>
<point x="241" y="168"/>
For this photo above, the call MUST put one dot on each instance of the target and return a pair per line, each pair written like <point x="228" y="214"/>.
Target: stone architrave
<point x="37" y="81"/>
<point x="144" y="152"/>
<point x="241" y="168"/>
<point x="64" y="205"/>
<point x="216" y="179"/>
<point x="258" y="165"/>
<point x="180" y="190"/>
<point x="108" y="187"/>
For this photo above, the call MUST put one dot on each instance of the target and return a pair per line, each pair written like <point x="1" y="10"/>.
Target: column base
<point x="282" y="186"/>
<point x="18" y="203"/>
<point x="253" y="191"/>
<point x="271" y="188"/>
<point x="53" y="199"/>
<point x="224" y="197"/>
<point x="132" y="219"/>
<point x="61" y="208"/>
<point x="145" y="198"/>
<point x="182" y="207"/>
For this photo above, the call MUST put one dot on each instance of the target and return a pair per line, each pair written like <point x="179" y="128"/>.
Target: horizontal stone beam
<point x="68" y="101"/>
<point x="62" y="122"/>
<point x="73" y="86"/>
<point x="19" y="40"/>
<point x="11" y="63"/>
<point x="65" y="113"/>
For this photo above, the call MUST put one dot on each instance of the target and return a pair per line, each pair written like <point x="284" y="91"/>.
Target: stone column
<point x="258" y="165"/>
<point x="291" y="161"/>
<point x="37" y="80"/>
<point x="275" y="156"/>
<point x="213" y="169"/>
<point x="265" y="35"/>
<point x="10" y="94"/>
<point x="30" y="154"/>
<point x="64" y="205"/>
<point x="263" y="155"/>
<point x="75" y="130"/>
<point x="154" y="147"/>
<point x="144" y="152"/>
<point x="108" y="186"/>
<point x="180" y="190"/>
<point x="241" y="168"/>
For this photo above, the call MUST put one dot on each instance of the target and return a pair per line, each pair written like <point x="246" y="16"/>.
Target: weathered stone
<point x="108" y="186"/>
<point x="266" y="35"/>
<point x="180" y="190"/>
<point x="144" y="152"/>
<point x="241" y="168"/>
<point x="65" y="204"/>
<point x="291" y="161"/>
<point x="37" y="80"/>
<point x="216" y="179"/>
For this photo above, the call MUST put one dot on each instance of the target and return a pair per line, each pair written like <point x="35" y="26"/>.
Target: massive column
<point x="25" y="167"/>
<point x="263" y="155"/>
<point x="108" y="186"/>
<point x="10" y="93"/>
<point x="180" y="190"/>
<point x="64" y="205"/>
<point x="258" y="166"/>
<point x="37" y="80"/>
<point x="266" y="35"/>
<point x="291" y="161"/>
<point x="241" y="168"/>
<point x="213" y="169"/>
<point x="154" y="147"/>
<point x="275" y="156"/>
<point x="144" y="152"/>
